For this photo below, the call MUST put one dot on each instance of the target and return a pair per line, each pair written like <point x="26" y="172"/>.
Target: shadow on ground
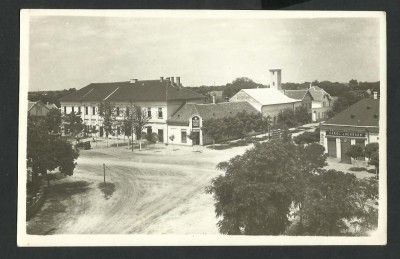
<point x="108" y="189"/>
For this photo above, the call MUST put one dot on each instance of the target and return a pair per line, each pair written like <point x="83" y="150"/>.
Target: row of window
<point x="118" y="112"/>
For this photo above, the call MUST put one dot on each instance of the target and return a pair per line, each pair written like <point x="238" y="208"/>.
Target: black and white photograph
<point x="182" y="128"/>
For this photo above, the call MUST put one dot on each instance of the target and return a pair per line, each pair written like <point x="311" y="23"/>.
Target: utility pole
<point x="104" y="171"/>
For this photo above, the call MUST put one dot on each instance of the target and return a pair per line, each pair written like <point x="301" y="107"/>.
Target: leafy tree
<point x="108" y="113"/>
<point x="53" y="121"/>
<point x="287" y="118"/>
<point x="214" y="129"/>
<point x="332" y="200"/>
<point x="240" y="83"/>
<point x="307" y="137"/>
<point x="73" y="124"/>
<point x="45" y="152"/>
<point x="355" y="151"/>
<point x="370" y="149"/>
<point x="256" y="192"/>
<point x="374" y="160"/>
<point x="302" y="116"/>
<point x="138" y="122"/>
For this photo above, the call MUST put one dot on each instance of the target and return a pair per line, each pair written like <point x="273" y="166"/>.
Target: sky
<point x="74" y="51"/>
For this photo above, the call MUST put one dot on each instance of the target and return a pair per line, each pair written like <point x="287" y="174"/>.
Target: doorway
<point x="331" y="147"/>
<point x="345" y="144"/>
<point x="161" y="135"/>
<point x="196" y="138"/>
<point x="101" y="132"/>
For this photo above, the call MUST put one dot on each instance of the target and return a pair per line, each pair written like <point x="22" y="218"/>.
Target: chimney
<point x="172" y="80"/>
<point x="213" y="99"/>
<point x="167" y="79"/>
<point x="178" y="81"/>
<point x="375" y="95"/>
<point x="134" y="80"/>
<point x="161" y="78"/>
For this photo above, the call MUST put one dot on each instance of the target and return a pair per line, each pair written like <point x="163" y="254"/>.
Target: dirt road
<point x="153" y="191"/>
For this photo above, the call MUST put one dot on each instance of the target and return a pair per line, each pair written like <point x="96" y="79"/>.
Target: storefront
<point x="356" y="125"/>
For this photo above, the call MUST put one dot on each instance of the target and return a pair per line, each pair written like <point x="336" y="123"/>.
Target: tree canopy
<point x="278" y="188"/>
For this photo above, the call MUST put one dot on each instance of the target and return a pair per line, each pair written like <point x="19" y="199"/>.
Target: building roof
<point x="211" y="110"/>
<point x="30" y="105"/>
<point x="147" y="90"/>
<point x="363" y="113"/>
<point x="51" y="106"/>
<point x="296" y="94"/>
<point x="318" y="93"/>
<point x="268" y="96"/>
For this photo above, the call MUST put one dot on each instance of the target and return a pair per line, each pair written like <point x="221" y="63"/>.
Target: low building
<point x="322" y="103"/>
<point x="39" y="109"/>
<point x="356" y="125"/>
<point x="159" y="99"/>
<point x="190" y="117"/>
<point x="268" y="101"/>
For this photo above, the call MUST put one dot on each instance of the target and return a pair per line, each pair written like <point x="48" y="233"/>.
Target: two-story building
<point x="316" y="99"/>
<point x="158" y="98"/>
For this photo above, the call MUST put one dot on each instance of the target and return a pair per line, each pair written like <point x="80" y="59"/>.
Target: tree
<point x="53" y="121"/>
<point x="139" y="122"/>
<point x="370" y="149"/>
<point x="73" y="124"/>
<point x="172" y="137"/>
<point x="45" y="152"/>
<point x="256" y="192"/>
<point x="302" y="116"/>
<point x="107" y="112"/>
<point x="307" y="137"/>
<point x="355" y="151"/>
<point x="287" y="118"/>
<point x="332" y="200"/>
<point x="214" y="129"/>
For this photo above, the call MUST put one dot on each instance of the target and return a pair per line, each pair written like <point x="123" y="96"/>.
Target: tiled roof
<point x="296" y="94"/>
<point x="318" y="93"/>
<point x="268" y="96"/>
<point x="148" y="90"/>
<point x="208" y="111"/>
<point x="363" y="113"/>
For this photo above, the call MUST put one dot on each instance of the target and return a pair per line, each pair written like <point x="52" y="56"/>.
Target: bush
<point x="307" y="137"/>
<point x="83" y="145"/>
<point x="152" y="138"/>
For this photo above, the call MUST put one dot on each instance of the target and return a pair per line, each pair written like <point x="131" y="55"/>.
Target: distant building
<point x="356" y="125"/>
<point x="190" y="117"/>
<point x="216" y="96"/>
<point x="39" y="109"/>
<point x="159" y="99"/>
<point x="316" y="99"/>
<point x="302" y="95"/>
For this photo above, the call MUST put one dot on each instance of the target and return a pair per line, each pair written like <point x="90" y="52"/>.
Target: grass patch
<point x="69" y="188"/>
<point x="357" y="169"/>
<point x="108" y="189"/>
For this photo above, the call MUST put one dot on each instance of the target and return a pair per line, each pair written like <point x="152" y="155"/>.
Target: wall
<point x="273" y="110"/>
<point x="38" y="110"/>
<point x="241" y="96"/>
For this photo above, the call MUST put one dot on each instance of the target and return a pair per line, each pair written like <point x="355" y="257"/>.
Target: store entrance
<point x="332" y="147"/>
<point x="196" y="138"/>
<point x="345" y="144"/>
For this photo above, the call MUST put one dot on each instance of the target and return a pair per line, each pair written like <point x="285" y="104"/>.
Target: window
<point x="323" y="104"/>
<point x="183" y="136"/>
<point x="118" y="113"/>
<point x="65" y="109"/>
<point x="73" y="109"/>
<point x="87" y="110"/>
<point x="149" y="112"/>
<point x="160" y="115"/>
<point x="94" y="110"/>
<point x="39" y="110"/>
<point x="79" y="109"/>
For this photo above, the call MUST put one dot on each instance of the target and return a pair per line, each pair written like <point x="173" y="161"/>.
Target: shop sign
<point x="346" y="134"/>
<point x="195" y="122"/>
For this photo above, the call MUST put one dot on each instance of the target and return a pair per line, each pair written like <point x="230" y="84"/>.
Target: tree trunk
<point x="140" y="144"/>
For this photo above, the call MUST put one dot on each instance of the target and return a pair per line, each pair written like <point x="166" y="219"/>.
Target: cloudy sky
<point x="73" y="51"/>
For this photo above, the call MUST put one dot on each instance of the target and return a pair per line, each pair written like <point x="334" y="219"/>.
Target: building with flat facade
<point x="356" y="125"/>
<point x="160" y="99"/>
